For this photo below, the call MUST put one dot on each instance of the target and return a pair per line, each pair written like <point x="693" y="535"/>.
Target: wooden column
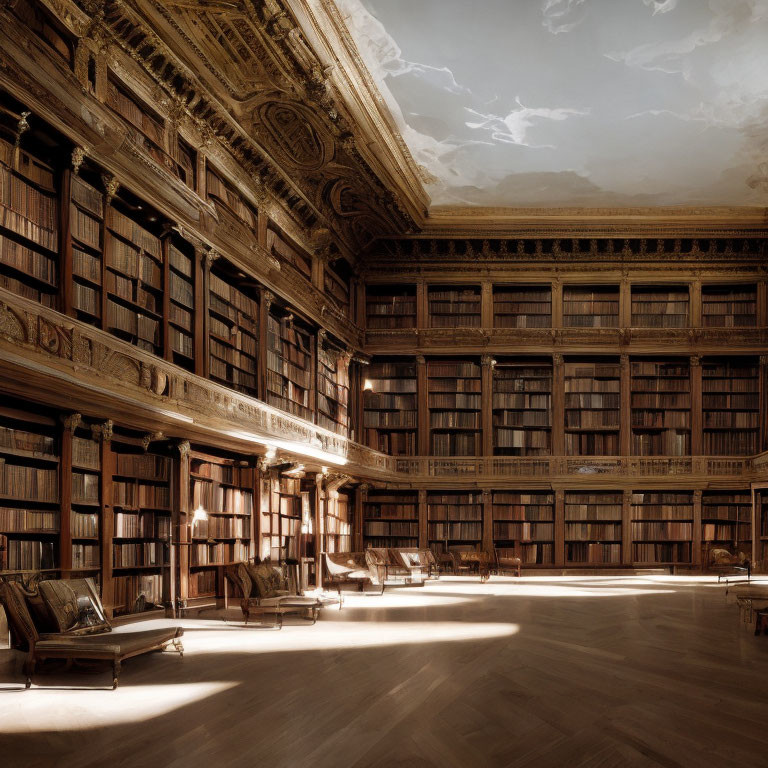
<point x="697" y="434"/>
<point x="487" y="521"/>
<point x="107" y="531"/>
<point x="696" y="538"/>
<point x="625" y="304"/>
<point x="486" y="305"/>
<point x="111" y="185"/>
<point x="763" y="384"/>
<point x="69" y="425"/>
<point x="625" y="424"/>
<point x="557" y="304"/>
<point x="559" y="554"/>
<point x="422" y="305"/>
<point x="762" y="303"/>
<point x="262" y="225"/>
<point x="423" y="406"/>
<point x="626" y="528"/>
<point x="200" y="318"/>
<point x="361" y="496"/>
<point x="423" y="521"/>
<point x="558" y="405"/>
<point x="695" y="303"/>
<point x="319" y="528"/>
<point x="318" y="271"/>
<point x="486" y="401"/>
<point x="65" y="275"/>
<point x="265" y="302"/>
<point x="180" y="526"/>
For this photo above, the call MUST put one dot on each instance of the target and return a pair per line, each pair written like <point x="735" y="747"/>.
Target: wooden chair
<point x="430" y="562"/>
<point x="111" y="647"/>
<point x="507" y="562"/>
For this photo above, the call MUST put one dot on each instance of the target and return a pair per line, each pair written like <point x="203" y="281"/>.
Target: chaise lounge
<point x="69" y="623"/>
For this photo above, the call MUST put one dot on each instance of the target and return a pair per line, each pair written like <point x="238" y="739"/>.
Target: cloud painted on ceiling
<point x="575" y="102"/>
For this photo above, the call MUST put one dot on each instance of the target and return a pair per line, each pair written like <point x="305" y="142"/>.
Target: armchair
<point x="507" y="562"/>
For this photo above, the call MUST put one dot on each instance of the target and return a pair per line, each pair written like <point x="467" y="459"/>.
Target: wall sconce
<point x="199" y="515"/>
<point x="368" y="386"/>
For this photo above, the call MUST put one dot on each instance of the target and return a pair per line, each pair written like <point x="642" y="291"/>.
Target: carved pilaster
<point x="71" y="421"/>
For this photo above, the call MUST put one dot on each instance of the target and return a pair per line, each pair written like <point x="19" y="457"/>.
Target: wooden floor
<point x="543" y="671"/>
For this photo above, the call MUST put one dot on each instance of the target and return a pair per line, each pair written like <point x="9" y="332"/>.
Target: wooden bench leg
<point x="115" y="673"/>
<point x="29" y="670"/>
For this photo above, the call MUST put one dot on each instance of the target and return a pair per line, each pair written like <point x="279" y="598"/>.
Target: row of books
<point x="460" y="371"/>
<point x="668" y="443"/>
<point x="398" y="387"/>
<point x="242" y="358"/>
<point x="221" y="500"/>
<point x="398" y="305"/>
<point x="23" y="440"/>
<point x="383" y="371"/>
<point x="505" y="382"/>
<point x="86" y="299"/>
<point x="593" y="531"/>
<point x="143" y="466"/>
<point x="85" y="453"/>
<point x="299" y="373"/>
<point x="520" y="401"/>
<point x="181" y="317"/>
<point x="392" y="443"/>
<point x="397" y="418"/>
<point x="527" y="513"/>
<point x="86" y="266"/>
<point x="132" y="495"/>
<point x="455" y="385"/>
<point x="28" y="483"/>
<point x="591" y="444"/>
<point x="22" y="520"/>
<point x="591" y="419"/>
<point x="221" y="553"/>
<point x="85" y="525"/>
<point x="144" y="525"/>
<point x="224" y="473"/>
<point x="128" y="588"/>
<point x="233" y="296"/>
<point x="28" y="165"/>
<point x="662" y="553"/>
<point x="661" y="385"/>
<point x="181" y="342"/>
<point x="27" y="210"/>
<point x="221" y="190"/>
<point x="42" y="296"/>
<point x="725" y="401"/>
<point x="202" y="583"/>
<point x="133" y="323"/>
<point x="294" y="401"/>
<point x="390" y="529"/>
<point x="180" y="261"/>
<point x="394" y="542"/>
<point x="672" y="419"/>
<point x="523" y="531"/>
<point x="457" y="419"/>
<point x="25" y="555"/>
<point x="523" y="439"/>
<point x="662" y="401"/>
<point x="522" y="321"/>
<point x="139" y="554"/>
<point x="522" y="418"/>
<point x="85" y="556"/>
<point x="589" y="320"/>
<point x="451" y="400"/>
<point x="455" y="531"/>
<point x="718" y="532"/>
<point x="733" y="419"/>
<point x="730" y="443"/>
<point x="134" y="233"/>
<point x="27" y="261"/>
<point x="592" y="553"/>
<point x="530" y="553"/>
<point x="85" y="488"/>
<point x="234" y="377"/>
<point x="455" y="444"/>
<point x="661" y="530"/>
<point x="86" y="229"/>
<point x="222" y="528"/>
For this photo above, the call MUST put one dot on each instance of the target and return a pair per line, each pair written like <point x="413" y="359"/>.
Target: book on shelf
<point x="454" y="307"/>
<point x="85" y="525"/>
<point x="729" y="306"/>
<point x="26" y="555"/>
<point x="591" y="306"/>
<point x="390" y="307"/>
<point x="86" y="556"/>
<point x="525" y="306"/>
<point x="731" y="406"/>
<point x="285" y="251"/>
<point x="659" y="306"/>
<point x="20" y="520"/>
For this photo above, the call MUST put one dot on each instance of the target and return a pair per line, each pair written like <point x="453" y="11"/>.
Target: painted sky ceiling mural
<point x="576" y="102"/>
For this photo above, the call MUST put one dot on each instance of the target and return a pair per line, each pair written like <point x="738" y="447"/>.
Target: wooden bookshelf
<point x="86" y="504"/>
<point x="141" y="502"/>
<point x="522" y="306"/>
<point x="522" y="408"/>
<point x="291" y="513"/>
<point x="229" y="200"/>
<point x="453" y="392"/>
<point x="593" y="527"/>
<point x="523" y="525"/>
<point x="729" y="306"/>
<point x="592" y="407"/>
<point x="336" y="284"/>
<point x="726" y="522"/>
<point x="390" y="414"/>
<point x="150" y="127"/>
<point x="29" y="214"/>
<point x="731" y="406"/>
<point x="662" y="527"/>
<point x="337" y="523"/>
<point x="233" y="331"/>
<point x="761" y="502"/>
<point x="454" y="306"/>
<point x="287" y="252"/>
<point x="391" y="519"/>
<point x="187" y="163"/>
<point x="590" y="306"/>
<point x="390" y="306"/>
<point x="29" y="488"/>
<point x="660" y="306"/>
<point x="134" y="263"/>
<point x="332" y="388"/>
<point x="289" y="365"/>
<point x="454" y="519"/>
<point x="86" y="227"/>
<point x="180" y="262"/>
<point x="221" y="524"/>
<point x="661" y="407"/>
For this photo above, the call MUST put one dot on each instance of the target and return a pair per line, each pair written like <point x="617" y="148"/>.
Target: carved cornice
<point x="87" y="361"/>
